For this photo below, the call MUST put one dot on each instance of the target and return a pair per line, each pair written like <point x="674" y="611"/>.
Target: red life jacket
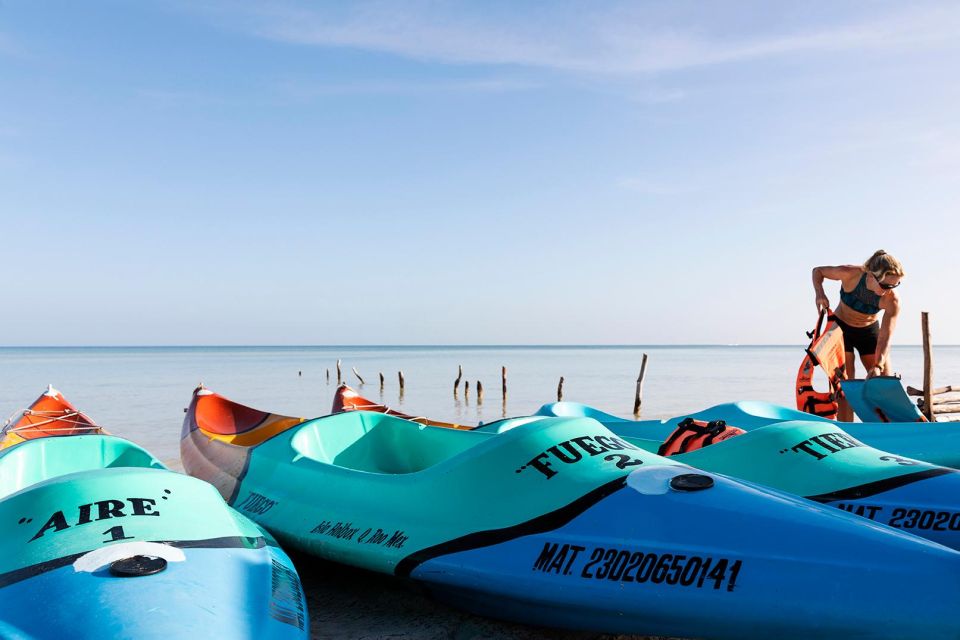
<point x="826" y="350"/>
<point x="691" y="435"/>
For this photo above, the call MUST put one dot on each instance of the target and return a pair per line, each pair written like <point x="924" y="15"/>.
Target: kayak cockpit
<point x="379" y="443"/>
<point x="34" y="461"/>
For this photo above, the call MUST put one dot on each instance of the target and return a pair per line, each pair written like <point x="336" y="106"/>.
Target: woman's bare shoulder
<point x="843" y="272"/>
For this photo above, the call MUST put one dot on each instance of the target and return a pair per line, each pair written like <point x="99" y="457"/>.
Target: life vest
<point x="827" y="351"/>
<point x="691" y="435"/>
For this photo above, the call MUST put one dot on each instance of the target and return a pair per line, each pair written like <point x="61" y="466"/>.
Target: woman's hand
<point x="874" y="372"/>
<point x="823" y="303"/>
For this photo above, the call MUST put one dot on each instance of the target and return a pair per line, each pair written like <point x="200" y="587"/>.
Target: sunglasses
<point x="884" y="285"/>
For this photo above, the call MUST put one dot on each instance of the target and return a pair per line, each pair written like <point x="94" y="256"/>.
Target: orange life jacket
<point x="691" y="435"/>
<point x="826" y="350"/>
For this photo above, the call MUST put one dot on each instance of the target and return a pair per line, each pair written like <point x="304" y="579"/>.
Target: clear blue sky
<point x="486" y="172"/>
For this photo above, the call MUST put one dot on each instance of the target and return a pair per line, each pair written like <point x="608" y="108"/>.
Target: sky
<point x="644" y="172"/>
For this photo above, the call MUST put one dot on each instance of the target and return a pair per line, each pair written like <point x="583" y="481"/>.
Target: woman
<point x="865" y="291"/>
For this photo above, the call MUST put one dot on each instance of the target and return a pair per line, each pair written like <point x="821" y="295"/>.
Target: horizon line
<point x="416" y="345"/>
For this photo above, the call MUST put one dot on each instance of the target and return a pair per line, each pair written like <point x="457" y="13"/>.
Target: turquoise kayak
<point x="560" y="522"/>
<point x="933" y="442"/>
<point x="112" y="545"/>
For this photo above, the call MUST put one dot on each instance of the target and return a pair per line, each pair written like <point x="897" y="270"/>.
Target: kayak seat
<point x="378" y="443"/>
<point x="37" y="460"/>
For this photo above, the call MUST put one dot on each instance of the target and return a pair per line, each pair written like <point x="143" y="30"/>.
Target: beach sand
<point x="348" y="603"/>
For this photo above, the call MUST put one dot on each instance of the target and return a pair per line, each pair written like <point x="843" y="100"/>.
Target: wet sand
<point x="347" y="603"/>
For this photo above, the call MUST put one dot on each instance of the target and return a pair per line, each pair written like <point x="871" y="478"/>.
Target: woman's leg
<point x="845" y="411"/>
<point x="869" y="361"/>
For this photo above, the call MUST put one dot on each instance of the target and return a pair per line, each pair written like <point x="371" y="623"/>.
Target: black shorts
<point x="863" y="339"/>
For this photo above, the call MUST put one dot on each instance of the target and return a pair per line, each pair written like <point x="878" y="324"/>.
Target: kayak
<point x="881" y="399"/>
<point x="346" y="399"/>
<point x="113" y="545"/>
<point x="559" y="522"/>
<point x="810" y="459"/>
<point x="933" y="442"/>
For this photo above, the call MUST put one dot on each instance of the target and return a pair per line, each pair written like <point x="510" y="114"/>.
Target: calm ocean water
<point x="140" y="392"/>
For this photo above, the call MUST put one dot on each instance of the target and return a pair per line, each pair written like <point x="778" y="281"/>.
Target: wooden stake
<point x="400" y="376"/>
<point x="927" y="366"/>
<point x="381" y="382"/>
<point x="503" y="381"/>
<point x="638" y="396"/>
<point x="456" y="383"/>
<point x="943" y="408"/>
<point x="299" y="373"/>
<point x="913" y="391"/>
<point x="479" y="393"/>
<point x="339" y="376"/>
<point x="328" y="375"/>
<point x="560" y="390"/>
<point x="358" y="375"/>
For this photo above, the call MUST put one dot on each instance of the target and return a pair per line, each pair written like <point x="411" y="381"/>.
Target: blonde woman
<point x="865" y="292"/>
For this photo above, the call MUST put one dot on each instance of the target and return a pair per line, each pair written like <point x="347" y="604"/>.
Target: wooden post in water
<point x="456" y="383"/>
<point x="466" y="389"/>
<point x="638" y="396"/>
<point x="400" y="377"/>
<point x="560" y="390"/>
<point x="339" y="376"/>
<point x="479" y="393"/>
<point x="359" y="377"/>
<point x="503" y="382"/>
<point x="381" y="382"/>
<point x="927" y="366"/>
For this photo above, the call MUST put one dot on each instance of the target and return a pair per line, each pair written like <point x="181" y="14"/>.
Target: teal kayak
<point x="101" y="541"/>
<point x="560" y="522"/>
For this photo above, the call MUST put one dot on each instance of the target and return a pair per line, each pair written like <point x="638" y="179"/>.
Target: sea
<point x="140" y="392"/>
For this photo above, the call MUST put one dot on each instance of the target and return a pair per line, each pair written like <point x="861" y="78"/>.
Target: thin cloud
<point x="305" y="88"/>
<point x="613" y="40"/>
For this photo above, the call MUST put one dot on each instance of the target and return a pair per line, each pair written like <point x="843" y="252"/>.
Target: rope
<point x="73" y="418"/>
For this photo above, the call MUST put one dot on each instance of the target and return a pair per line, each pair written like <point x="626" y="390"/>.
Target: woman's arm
<point x="891" y="312"/>
<point x="830" y="273"/>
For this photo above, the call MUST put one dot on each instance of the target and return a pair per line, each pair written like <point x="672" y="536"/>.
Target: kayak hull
<point x="934" y="442"/>
<point x="560" y="523"/>
<point x="102" y="541"/>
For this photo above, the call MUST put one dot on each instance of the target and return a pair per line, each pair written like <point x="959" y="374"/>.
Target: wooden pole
<point x="943" y="408"/>
<point x="466" y="389"/>
<point x="638" y="396"/>
<point x="503" y="381"/>
<point x="560" y="390"/>
<point x="328" y="375"/>
<point x="913" y="391"/>
<point x="456" y="383"/>
<point x="400" y="377"/>
<point x="479" y="393"/>
<point x="940" y="400"/>
<point x="359" y="377"/>
<point x="381" y="382"/>
<point x="339" y="376"/>
<point x="927" y="366"/>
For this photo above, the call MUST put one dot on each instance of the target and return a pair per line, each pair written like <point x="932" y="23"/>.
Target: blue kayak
<point x="881" y="399"/>
<point x="559" y="522"/>
<point x="101" y="541"/>
<point x="934" y="442"/>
